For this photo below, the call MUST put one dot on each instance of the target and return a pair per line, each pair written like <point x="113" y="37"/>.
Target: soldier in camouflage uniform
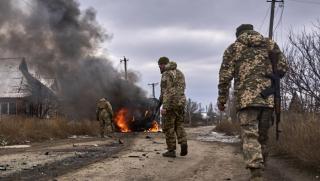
<point x="104" y="116"/>
<point x="248" y="63"/>
<point x="173" y="103"/>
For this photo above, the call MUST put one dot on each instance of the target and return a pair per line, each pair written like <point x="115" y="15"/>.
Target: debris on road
<point x="134" y="156"/>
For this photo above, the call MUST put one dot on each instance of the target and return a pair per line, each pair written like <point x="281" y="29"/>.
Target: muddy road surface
<point x="137" y="156"/>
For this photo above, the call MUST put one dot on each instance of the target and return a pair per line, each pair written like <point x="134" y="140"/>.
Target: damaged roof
<point x="13" y="84"/>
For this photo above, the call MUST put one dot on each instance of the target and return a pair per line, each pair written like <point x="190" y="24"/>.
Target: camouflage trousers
<point x="173" y="127"/>
<point x="106" y="125"/>
<point x="255" y="123"/>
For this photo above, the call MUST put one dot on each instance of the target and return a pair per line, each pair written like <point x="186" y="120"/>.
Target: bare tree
<point x="303" y="77"/>
<point x="192" y="112"/>
<point x="211" y="114"/>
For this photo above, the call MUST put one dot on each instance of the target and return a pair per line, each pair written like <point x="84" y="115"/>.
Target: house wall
<point x="12" y="106"/>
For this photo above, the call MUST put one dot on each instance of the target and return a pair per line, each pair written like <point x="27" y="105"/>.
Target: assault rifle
<point x="274" y="89"/>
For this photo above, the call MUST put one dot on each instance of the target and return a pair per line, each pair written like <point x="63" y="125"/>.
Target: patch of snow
<point x="16" y="146"/>
<point x="81" y="136"/>
<point x="219" y="137"/>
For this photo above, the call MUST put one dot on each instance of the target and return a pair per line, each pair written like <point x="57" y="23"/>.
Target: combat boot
<point x="169" y="153"/>
<point x="256" y="174"/>
<point x="184" y="149"/>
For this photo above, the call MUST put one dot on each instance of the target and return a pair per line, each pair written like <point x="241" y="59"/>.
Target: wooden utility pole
<point x="153" y="90"/>
<point x="273" y="4"/>
<point x="125" y="60"/>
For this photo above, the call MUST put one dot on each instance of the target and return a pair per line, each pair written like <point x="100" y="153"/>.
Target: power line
<point x="125" y="60"/>
<point x="264" y="19"/>
<point x="273" y="3"/>
<point x="153" y="90"/>
<point x="281" y="15"/>
<point x="306" y="2"/>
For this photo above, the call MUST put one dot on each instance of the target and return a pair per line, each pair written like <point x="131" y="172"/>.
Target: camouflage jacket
<point x="104" y="110"/>
<point x="172" y="87"/>
<point x="247" y="62"/>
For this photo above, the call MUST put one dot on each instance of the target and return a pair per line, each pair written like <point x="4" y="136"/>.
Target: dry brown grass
<point x="228" y="127"/>
<point x="17" y="130"/>
<point x="299" y="138"/>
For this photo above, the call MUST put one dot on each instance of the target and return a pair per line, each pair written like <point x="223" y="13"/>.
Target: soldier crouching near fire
<point x="248" y="62"/>
<point x="173" y="103"/>
<point x="104" y="116"/>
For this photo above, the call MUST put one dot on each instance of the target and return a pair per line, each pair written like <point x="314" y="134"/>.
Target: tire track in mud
<point x="83" y="156"/>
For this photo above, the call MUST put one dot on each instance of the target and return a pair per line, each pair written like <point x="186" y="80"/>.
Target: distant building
<point x="21" y="93"/>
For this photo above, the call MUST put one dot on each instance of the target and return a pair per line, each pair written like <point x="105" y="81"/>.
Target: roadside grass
<point x="299" y="138"/>
<point x="228" y="127"/>
<point x="19" y="130"/>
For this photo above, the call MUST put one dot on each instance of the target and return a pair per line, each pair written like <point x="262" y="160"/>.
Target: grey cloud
<point x="126" y="19"/>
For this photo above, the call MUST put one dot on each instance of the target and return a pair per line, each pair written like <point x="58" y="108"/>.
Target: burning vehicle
<point x="140" y="117"/>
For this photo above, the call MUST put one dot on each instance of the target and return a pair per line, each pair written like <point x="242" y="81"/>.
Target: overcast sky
<point x="194" y="33"/>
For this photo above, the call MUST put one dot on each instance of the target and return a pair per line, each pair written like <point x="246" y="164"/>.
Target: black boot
<point x="169" y="153"/>
<point x="184" y="149"/>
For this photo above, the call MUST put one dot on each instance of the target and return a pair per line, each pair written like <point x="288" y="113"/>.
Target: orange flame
<point x="120" y="120"/>
<point x="154" y="127"/>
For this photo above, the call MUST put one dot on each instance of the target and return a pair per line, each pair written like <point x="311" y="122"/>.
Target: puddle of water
<point x="16" y="146"/>
<point x="219" y="137"/>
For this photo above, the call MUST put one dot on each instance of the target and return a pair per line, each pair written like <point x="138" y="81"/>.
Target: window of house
<point x="12" y="108"/>
<point x="4" y="108"/>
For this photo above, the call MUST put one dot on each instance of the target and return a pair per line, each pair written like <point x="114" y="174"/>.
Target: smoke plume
<point x="61" y="40"/>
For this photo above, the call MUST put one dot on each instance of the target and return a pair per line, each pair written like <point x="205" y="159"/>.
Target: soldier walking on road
<point x="247" y="61"/>
<point x="173" y="103"/>
<point x="104" y="116"/>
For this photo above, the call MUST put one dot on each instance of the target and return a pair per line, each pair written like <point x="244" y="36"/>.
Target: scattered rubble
<point x="134" y="156"/>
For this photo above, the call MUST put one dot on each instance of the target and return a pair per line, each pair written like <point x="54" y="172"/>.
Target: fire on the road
<point x="120" y="120"/>
<point x="154" y="127"/>
<point x="124" y="120"/>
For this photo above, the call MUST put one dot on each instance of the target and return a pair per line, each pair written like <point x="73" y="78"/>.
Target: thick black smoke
<point x="61" y="40"/>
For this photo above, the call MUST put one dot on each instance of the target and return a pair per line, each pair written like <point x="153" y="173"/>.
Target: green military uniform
<point x="173" y="100"/>
<point x="104" y="116"/>
<point x="247" y="62"/>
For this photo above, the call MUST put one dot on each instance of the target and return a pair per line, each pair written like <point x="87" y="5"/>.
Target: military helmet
<point x="102" y="100"/>
<point x="163" y="60"/>
<point x="242" y="28"/>
<point x="102" y="103"/>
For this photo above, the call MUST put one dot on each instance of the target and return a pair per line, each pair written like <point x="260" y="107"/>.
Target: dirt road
<point x="136" y="157"/>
